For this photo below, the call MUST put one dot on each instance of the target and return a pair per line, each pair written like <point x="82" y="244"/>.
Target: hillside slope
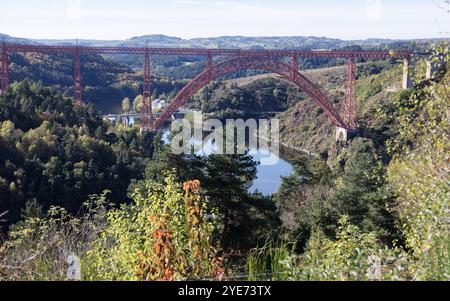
<point x="306" y="126"/>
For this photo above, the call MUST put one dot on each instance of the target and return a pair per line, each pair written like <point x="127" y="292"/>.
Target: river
<point x="268" y="176"/>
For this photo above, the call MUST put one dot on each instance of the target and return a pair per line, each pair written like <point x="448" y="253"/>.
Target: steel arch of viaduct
<point x="245" y="63"/>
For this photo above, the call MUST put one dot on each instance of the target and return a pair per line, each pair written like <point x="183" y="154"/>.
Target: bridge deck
<point x="203" y="51"/>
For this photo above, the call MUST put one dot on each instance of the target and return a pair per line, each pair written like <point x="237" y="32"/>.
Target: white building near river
<point x="159" y="104"/>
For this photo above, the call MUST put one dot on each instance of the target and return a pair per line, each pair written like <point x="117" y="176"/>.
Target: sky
<point x="123" y="19"/>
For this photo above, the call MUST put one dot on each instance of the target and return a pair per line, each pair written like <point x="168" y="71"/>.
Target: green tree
<point x="226" y="183"/>
<point x="363" y="196"/>
<point x="126" y="106"/>
<point x="138" y="103"/>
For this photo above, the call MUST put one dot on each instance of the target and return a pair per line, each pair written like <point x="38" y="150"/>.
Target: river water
<point x="268" y="176"/>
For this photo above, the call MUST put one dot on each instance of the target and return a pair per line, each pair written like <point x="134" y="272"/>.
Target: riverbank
<point x="268" y="176"/>
<point x="299" y="149"/>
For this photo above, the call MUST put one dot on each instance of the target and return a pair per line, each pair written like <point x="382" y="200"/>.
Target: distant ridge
<point x="276" y="42"/>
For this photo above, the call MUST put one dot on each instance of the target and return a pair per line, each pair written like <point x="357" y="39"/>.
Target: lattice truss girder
<point x="4" y="73"/>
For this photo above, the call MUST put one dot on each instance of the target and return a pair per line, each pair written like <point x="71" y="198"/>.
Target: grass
<point x="273" y="262"/>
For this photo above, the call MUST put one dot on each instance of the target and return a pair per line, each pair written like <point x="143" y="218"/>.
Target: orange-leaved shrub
<point x="165" y="234"/>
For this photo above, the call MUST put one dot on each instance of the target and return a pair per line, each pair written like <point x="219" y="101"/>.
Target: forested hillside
<point x="383" y="196"/>
<point x="56" y="153"/>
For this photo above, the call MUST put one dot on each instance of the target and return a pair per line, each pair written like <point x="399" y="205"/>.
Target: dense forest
<point x="56" y="153"/>
<point x="372" y="208"/>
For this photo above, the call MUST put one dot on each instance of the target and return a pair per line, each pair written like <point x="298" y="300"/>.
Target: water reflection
<point x="268" y="176"/>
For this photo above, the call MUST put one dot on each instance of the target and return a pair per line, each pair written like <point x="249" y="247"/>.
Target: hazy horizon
<point x="223" y="36"/>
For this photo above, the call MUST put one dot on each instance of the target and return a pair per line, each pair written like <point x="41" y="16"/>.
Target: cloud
<point x="73" y="9"/>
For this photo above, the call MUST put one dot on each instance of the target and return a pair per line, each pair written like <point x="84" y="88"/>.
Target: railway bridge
<point x="219" y="62"/>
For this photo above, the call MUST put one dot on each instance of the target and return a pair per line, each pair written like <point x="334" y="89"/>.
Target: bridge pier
<point x="77" y="86"/>
<point x="208" y="66"/>
<point x="349" y="106"/>
<point x="432" y="68"/>
<point x="294" y="67"/>
<point x="4" y="81"/>
<point x="408" y="75"/>
<point x="343" y="134"/>
<point x="146" y="110"/>
<point x="126" y="120"/>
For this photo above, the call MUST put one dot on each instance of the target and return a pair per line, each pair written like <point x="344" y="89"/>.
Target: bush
<point x="162" y="235"/>
<point x="354" y="255"/>
<point x="38" y="247"/>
